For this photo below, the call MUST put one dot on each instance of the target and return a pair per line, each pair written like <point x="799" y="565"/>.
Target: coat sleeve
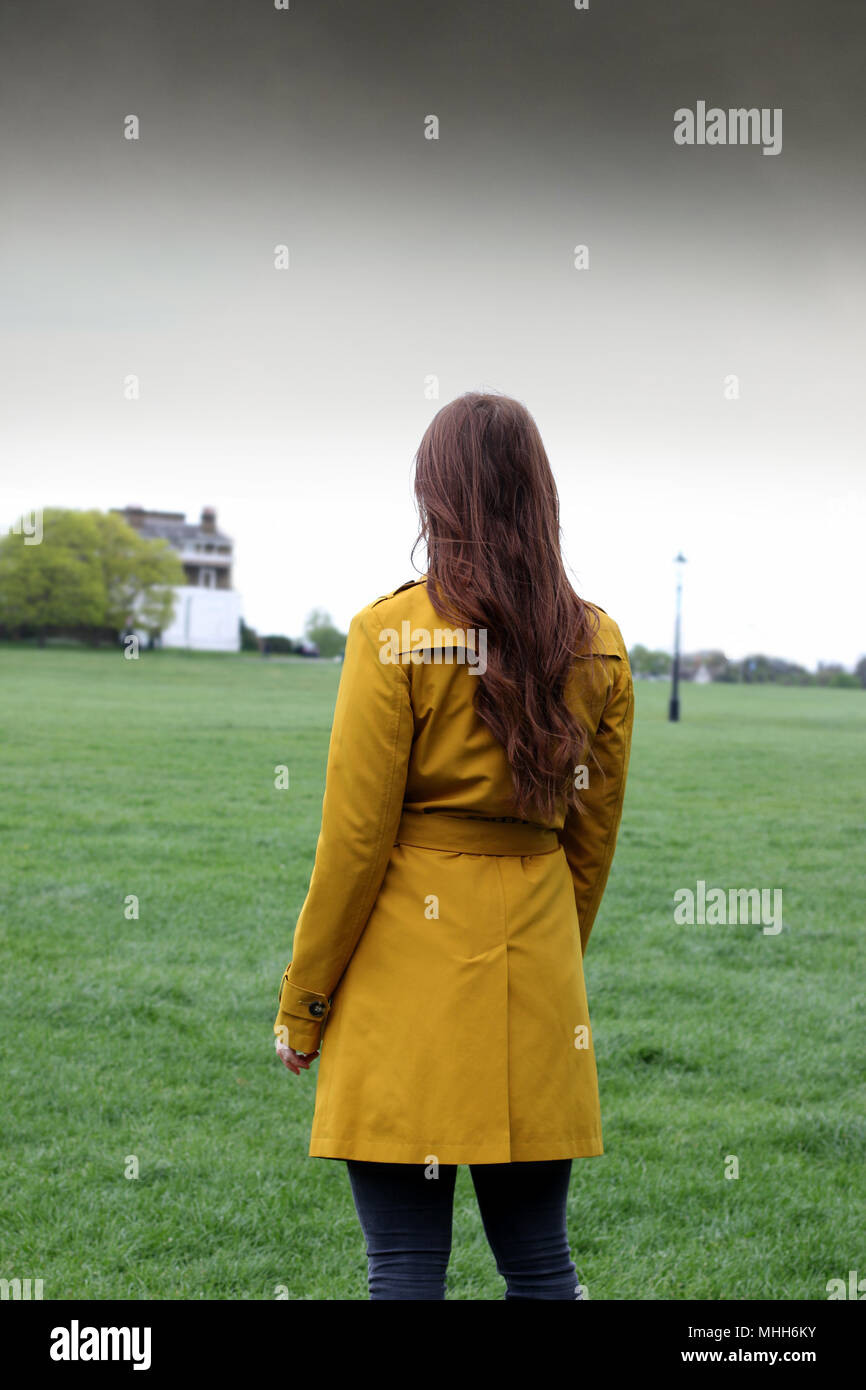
<point x="365" y="780"/>
<point x="589" y="839"/>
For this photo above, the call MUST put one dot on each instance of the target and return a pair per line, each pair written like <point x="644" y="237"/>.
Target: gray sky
<point x="293" y="401"/>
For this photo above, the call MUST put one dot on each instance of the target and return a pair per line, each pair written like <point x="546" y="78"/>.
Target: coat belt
<point x="470" y="835"/>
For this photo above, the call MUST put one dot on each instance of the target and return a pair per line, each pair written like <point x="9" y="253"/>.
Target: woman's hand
<point x="294" y="1060"/>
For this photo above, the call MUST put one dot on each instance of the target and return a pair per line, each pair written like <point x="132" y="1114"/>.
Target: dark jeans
<point x="406" y="1221"/>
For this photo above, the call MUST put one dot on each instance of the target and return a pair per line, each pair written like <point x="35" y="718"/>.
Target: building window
<point x="207" y="579"/>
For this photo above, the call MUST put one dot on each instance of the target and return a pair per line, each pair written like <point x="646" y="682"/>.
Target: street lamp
<point x="674" y="708"/>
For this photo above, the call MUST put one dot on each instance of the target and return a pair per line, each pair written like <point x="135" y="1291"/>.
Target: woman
<point x="473" y="794"/>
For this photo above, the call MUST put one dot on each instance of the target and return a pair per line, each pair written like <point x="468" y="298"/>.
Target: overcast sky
<point x="293" y="400"/>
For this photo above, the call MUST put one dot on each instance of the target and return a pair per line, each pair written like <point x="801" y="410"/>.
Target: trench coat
<point x="438" y="957"/>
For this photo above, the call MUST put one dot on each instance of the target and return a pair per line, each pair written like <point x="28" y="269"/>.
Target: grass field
<point x="152" y="1037"/>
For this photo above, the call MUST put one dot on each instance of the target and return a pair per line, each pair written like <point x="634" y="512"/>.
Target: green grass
<point x="152" y="1037"/>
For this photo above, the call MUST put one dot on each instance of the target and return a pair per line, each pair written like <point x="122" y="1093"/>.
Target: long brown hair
<point x="489" y="518"/>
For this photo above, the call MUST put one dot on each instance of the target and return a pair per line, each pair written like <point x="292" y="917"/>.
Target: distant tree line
<point x="321" y="638"/>
<point x="755" y="669"/>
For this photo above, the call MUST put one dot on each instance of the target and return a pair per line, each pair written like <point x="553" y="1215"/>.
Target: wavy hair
<point x="489" y="518"/>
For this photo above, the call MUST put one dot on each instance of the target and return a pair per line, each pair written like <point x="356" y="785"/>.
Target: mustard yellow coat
<point x="439" y="952"/>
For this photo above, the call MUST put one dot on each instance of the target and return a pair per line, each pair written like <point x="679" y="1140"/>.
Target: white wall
<point x="206" y="620"/>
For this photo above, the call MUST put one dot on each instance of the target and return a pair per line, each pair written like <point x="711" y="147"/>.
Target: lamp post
<point x="674" y="707"/>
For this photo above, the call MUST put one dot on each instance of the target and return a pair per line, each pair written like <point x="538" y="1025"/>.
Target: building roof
<point x="174" y="527"/>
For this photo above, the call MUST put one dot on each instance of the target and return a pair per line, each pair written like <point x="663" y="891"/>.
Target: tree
<point x="138" y="575"/>
<point x="644" y="662"/>
<point x="57" y="583"/>
<point x="319" y="628"/>
<point x="757" y="668"/>
<point x="90" y="570"/>
<point x="834" y="674"/>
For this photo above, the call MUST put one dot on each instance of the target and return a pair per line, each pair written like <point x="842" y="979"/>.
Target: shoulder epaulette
<point x="407" y="585"/>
